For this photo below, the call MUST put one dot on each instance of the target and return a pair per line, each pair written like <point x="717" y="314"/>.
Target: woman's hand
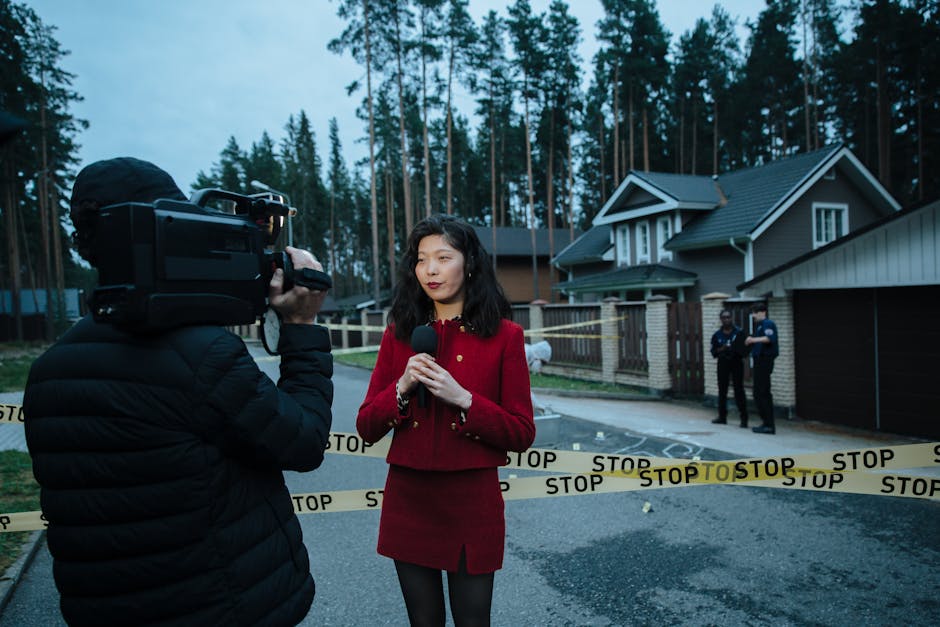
<point x="409" y="378"/>
<point x="438" y="381"/>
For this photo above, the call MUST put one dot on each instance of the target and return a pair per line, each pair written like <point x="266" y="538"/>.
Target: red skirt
<point x="430" y="517"/>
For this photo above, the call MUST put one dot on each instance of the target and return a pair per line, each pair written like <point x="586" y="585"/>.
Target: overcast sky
<point x="170" y="81"/>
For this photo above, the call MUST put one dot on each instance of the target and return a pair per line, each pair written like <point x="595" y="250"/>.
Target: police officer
<point x="730" y="366"/>
<point x="764" y="349"/>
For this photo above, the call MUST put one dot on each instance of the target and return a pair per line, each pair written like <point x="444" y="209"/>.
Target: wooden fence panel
<point x="632" y="345"/>
<point x="584" y="352"/>
<point x="374" y="319"/>
<point x="685" y="350"/>
<point x="520" y="315"/>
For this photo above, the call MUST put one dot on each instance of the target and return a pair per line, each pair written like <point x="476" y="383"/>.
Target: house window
<point x="623" y="245"/>
<point x="643" y="242"/>
<point x="830" y="222"/>
<point x="663" y="233"/>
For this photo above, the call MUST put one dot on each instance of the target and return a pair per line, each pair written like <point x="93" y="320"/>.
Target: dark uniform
<point x="730" y="366"/>
<point x="763" y="356"/>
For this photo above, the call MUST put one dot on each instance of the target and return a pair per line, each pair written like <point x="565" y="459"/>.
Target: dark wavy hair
<point x="485" y="304"/>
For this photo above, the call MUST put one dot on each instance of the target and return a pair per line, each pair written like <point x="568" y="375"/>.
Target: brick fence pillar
<point x="658" y="343"/>
<point x="344" y="334"/>
<point x="364" y="321"/>
<point x="783" y="379"/>
<point x="712" y="304"/>
<point x="536" y="320"/>
<point x="610" y="349"/>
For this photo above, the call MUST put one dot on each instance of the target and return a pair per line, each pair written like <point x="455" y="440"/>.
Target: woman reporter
<point x="443" y="509"/>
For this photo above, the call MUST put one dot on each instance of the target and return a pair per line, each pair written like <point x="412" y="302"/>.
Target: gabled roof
<point x="757" y="196"/>
<point x="589" y="248"/>
<point x="684" y="188"/>
<point x="646" y="193"/>
<point x="900" y="249"/>
<point x="630" y="277"/>
<point x="512" y="241"/>
<point x="739" y="205"/>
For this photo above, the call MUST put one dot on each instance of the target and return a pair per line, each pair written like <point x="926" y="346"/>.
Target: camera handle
<point x="310" y="278"/>
<point x="305" y="277"/>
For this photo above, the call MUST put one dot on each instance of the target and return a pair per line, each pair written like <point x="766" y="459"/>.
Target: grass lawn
<point x="20" y="491"/>
<point x="20" y="494"/>
<point x="547" y="381"/>
<point x="15" y="360"/>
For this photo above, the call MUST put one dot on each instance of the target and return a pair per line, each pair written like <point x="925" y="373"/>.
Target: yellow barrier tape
<point x="593" y="473"/>
<point x="901" y="456"/>
<point x="551" y="486"/>
<point x="11" y="413"/>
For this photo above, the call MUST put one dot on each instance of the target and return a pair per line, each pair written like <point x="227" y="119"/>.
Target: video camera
<point x="207" y="261"/>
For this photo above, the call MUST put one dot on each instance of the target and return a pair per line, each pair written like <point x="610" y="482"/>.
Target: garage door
<point x="837" y="379"/>
<point x="835" y="356"/>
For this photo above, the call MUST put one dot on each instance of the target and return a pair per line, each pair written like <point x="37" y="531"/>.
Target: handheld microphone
<point x="423" y="340"/>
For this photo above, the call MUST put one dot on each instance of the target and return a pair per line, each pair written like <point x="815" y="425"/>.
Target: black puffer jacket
<point x="160" y="461"/>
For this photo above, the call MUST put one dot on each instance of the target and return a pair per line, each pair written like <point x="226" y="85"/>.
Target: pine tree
<point x="460" y="38"/>
<point x="770" y="105"/>
<point x="526" y="31"/>
<point x="360" y="36"/>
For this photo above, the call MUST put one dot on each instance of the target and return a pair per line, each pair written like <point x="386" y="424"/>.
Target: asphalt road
<point x="707" y="555"/>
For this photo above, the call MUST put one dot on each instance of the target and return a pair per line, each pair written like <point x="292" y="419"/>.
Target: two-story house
<point x="685" y="236"/>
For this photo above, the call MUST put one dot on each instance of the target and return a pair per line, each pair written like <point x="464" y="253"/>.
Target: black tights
<point x="423" y="588"/>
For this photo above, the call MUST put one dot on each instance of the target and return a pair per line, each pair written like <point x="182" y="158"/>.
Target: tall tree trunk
<point x="493" y="207"/>
<point x="42" y="192"/>
<point x="601" y="148"/>
<point x="424" y="131"/>
<point x="646" y="141"/>
<point x="715" y="138"/>
<point x="502" y="178"/>
<point x="550" y="196"/>
<point x="405" y="178"/>
<point x="694" y="135"/>
<point x="13" y="249"/>
<point x="390" y="218"/>
<point x="531" y="200"/>
<point x="616" y="163"/>
<point x="571" y="185"/>
<point x="450" y="123"/>
<point x="57" y="256"/>
<point x="332" y="256"/>
<point x="630" y="129"/>
<point x="884" y="122"/>
<point x="806" y="70"/>
<point x="681" y="168"/>
<point x="920" y="137"/>
<point x="376" y="286"/>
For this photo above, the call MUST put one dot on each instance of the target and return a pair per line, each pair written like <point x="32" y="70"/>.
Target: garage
<point x="869" y="358"/>
<point x="866" y="325"/>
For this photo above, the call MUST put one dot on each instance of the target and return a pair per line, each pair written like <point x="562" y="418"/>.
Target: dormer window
<point x="643" y="242"/>
<point x="663" y="233"/>
<point x="623" y="244"/>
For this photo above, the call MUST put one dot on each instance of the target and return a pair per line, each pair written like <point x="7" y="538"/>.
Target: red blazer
<point x="500" y="418"/>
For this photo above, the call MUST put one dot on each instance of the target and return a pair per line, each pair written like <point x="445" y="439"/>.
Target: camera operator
<point x="160" y="455"/>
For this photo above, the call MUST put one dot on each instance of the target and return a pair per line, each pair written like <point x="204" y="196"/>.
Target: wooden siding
<point x="905" y="251"/>
<point x="515" y="275"/>
<point x="718" y="270"/>
<point x="792" y="234"/>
